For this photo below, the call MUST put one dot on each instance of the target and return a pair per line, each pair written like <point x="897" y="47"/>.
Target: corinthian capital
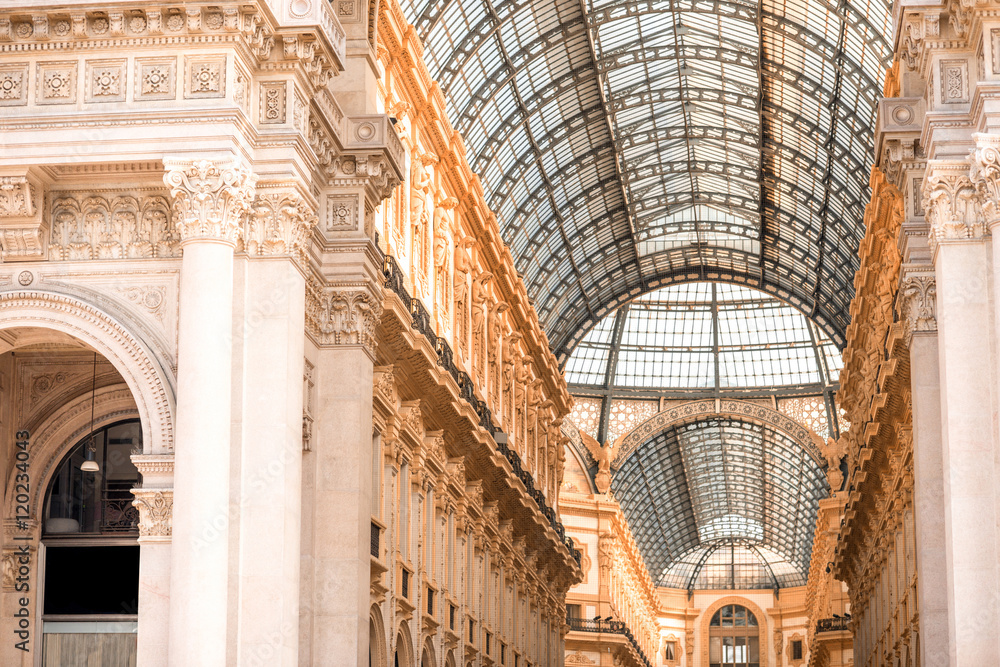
<point x="985" y="174"/>
<point x="916" y="303"/>
<point x="280" y="223"/>
<point x="210" y="198"/>
<point x="156" y="508"/>
<point x="347" y="315"/>
<point x="951" y="202"/>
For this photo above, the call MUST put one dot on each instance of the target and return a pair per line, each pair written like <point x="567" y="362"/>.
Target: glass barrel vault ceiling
<point x="721" y="503"/>
<point x="705" y="336"/>
<point x="627" y="144"/>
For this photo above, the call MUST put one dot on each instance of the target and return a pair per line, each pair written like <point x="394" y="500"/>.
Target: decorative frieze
<point x="156" y="78"/>
<point x="206" y="76"/>
<point x="210" y="199"/>
<point x="123" y="225"/>
<point x="55" y="82"/>
<point x="106" y="80"/>
<point x="13" y="84"/>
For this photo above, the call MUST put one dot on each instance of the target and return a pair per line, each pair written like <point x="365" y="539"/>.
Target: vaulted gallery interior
<point x="499" y="333"/>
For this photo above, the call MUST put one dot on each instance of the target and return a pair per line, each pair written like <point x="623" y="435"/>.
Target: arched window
<point x="734" y="638"/>
<point x="96" y="503"/>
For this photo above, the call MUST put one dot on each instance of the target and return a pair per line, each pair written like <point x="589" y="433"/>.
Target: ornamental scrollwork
<point x="210" y="198"/>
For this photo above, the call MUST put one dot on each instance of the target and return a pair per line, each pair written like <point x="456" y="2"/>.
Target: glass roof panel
<point x="689" y="336"/>
<point x="722" y="503"/>
<point x="607" y="118"/>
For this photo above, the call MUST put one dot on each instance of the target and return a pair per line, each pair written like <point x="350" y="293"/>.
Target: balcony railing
<point x="615" y="627"/>
<point x="833" y="624"/>
<point x="393" y="280"/>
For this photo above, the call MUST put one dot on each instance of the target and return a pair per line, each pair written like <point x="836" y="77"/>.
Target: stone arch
<point x="376" y="638"/>
<point x="62" y="431"/>
<point x="132" y="358"/>
<point x="685" y="413"/>
<point x="404" y="646"/>
<point x="450" y="660"/>
<point x="706" y="620"/>
<point x="427" y="657"/>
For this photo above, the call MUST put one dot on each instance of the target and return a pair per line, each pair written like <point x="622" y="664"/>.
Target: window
<point x="572" y="611"/>
<point x="797" y="649"/>
<point x="96" y="503"/>
<point x="734" y="638"/>
<point x="669" y="651"/>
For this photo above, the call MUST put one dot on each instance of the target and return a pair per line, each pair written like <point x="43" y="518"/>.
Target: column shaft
<point x="199" y="568"/>
<point x="969" y="478"/>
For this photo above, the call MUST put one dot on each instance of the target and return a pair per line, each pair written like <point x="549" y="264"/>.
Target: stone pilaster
<point x="155" y="502"/>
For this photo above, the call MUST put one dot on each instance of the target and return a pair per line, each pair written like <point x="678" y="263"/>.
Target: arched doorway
<point x="90" y="554"/>
<point x="71" y="370"/>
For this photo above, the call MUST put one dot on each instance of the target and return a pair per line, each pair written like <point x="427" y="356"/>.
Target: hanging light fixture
<point x="90" y="463"/>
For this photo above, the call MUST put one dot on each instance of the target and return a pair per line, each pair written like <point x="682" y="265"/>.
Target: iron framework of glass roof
<point x="722" y="503"/>
<point x="704" y="339"/>
<point x="630" y="144"/>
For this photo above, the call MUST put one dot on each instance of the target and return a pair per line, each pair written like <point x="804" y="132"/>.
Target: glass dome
<point x="707" y="337"/>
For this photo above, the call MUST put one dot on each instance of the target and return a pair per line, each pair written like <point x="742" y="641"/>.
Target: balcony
<point x="612" y="627"/>
<point x="838" y="624"/>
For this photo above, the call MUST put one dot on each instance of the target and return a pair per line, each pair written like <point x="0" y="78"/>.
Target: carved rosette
<point x="348" y="316"/>
<point x="156" y="508"/>
<point x="280" y="223"/>
<point x="916" y="303"/>
<point x="985" y="174"/>
<point x="210" y="198"/>
<point x="952" y="203"/>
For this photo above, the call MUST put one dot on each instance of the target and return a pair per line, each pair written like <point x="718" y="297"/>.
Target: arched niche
<point x="135" y="361"/>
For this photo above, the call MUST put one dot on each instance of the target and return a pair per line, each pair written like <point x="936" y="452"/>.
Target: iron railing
<point x="614" y="627"/>
<point x="833" y="624"/>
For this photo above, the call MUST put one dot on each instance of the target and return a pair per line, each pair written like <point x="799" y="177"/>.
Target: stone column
<point x="270" y="318"/>
<point x="916" y="306"/>
<point x="155" y="502"/>
<point x="961" y="264"/>
<point x="347" y="315"/>
<point x="209" y="202"/>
